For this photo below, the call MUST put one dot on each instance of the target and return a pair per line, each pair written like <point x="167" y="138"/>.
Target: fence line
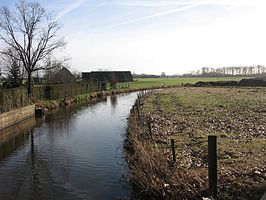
<point x="18" y="97"/>
<point x="212" y="146"/>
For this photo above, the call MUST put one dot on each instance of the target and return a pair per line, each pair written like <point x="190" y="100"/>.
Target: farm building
<point x="60" y="76"/>
<point x="107" y="76"/>
<point x="104" y="77"/>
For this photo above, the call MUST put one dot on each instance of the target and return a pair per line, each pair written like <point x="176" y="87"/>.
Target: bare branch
<point x="31" y="33"/>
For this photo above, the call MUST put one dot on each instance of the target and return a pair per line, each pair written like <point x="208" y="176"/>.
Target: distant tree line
<point x="163" y="75"/>
<point x="145" y="76"/>
<point x="228" y="71"/>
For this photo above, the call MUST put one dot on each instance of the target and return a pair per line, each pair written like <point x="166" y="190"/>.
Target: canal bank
<point x="46" y="105"/>
<point x="17" y="108"/>
<point x="152" y="171"/>
<point x="16" y="116"/>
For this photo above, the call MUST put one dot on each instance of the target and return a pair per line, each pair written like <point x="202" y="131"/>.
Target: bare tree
<point x="32" y="33"/>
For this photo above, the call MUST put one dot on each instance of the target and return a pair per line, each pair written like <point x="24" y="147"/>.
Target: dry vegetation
<point x="189" y="115"/>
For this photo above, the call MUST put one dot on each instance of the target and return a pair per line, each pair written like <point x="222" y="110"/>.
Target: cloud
<point x="69" y="8"/>
<point x="176" y="10"/>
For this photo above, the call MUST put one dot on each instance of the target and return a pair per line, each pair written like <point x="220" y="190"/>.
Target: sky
<point x="154" y="36"/>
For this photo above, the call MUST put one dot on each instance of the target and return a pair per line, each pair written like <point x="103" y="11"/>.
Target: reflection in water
<point x="69" y="154"/>
<point x="113" y="100"/>
<point x="13" y="137"/>
<point x="64" y="121"/>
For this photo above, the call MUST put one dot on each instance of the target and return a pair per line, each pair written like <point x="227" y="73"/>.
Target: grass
<point x="142" y="83"/>
<point x="236" y="115"/>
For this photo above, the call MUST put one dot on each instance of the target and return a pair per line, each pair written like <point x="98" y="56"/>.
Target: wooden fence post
<point x="138" y="112"/>
<point x="149" y="127"/>
<point x="212" y="161"/>
<point x="173" y="149"/>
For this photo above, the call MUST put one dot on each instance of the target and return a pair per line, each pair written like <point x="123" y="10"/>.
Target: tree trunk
<point x="29" y="85"/>
<point x="22" y="75"/>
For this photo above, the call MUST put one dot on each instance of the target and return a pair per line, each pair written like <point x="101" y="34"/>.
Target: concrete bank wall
<point x="20" y="128"/>
<point x="15" y="116"/>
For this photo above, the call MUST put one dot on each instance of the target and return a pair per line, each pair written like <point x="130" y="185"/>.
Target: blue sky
<point x="154" y="36"/>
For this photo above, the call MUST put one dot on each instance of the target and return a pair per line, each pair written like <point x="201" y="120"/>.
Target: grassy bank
<point x="141" y="83"/>
<point x="189" y="115"/>
<point x="89" y="97"/>
<point x="54" y="104"/>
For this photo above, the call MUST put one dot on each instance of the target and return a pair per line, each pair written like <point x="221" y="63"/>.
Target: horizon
<point x="157" y="36"/>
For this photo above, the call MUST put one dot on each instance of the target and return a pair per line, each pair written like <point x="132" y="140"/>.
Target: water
<point x="75" y="153"/>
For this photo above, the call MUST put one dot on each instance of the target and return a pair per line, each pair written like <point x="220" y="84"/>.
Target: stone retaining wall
<point x="15" y="116"/>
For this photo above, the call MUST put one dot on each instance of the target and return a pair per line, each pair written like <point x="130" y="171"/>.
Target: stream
<point x="74" y="153"/>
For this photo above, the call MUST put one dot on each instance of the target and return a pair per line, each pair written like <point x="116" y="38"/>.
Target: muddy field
<point x="189" y="115"/>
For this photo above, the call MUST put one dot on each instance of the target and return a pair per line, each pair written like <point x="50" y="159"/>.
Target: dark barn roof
<point x="107" y="76"/>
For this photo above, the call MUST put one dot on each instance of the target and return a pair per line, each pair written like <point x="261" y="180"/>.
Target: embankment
<point x="10" y="118"/>
<point x="47" y="105"/>
<point x="152" y="171"/>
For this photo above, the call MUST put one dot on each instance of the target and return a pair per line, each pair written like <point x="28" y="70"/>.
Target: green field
<point x="141" y="83"/>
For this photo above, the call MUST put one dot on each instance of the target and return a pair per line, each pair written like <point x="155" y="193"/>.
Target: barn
<point x="107" y="76"/>
<point x="60" y="76"/>
<point x="104" y="77"/>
